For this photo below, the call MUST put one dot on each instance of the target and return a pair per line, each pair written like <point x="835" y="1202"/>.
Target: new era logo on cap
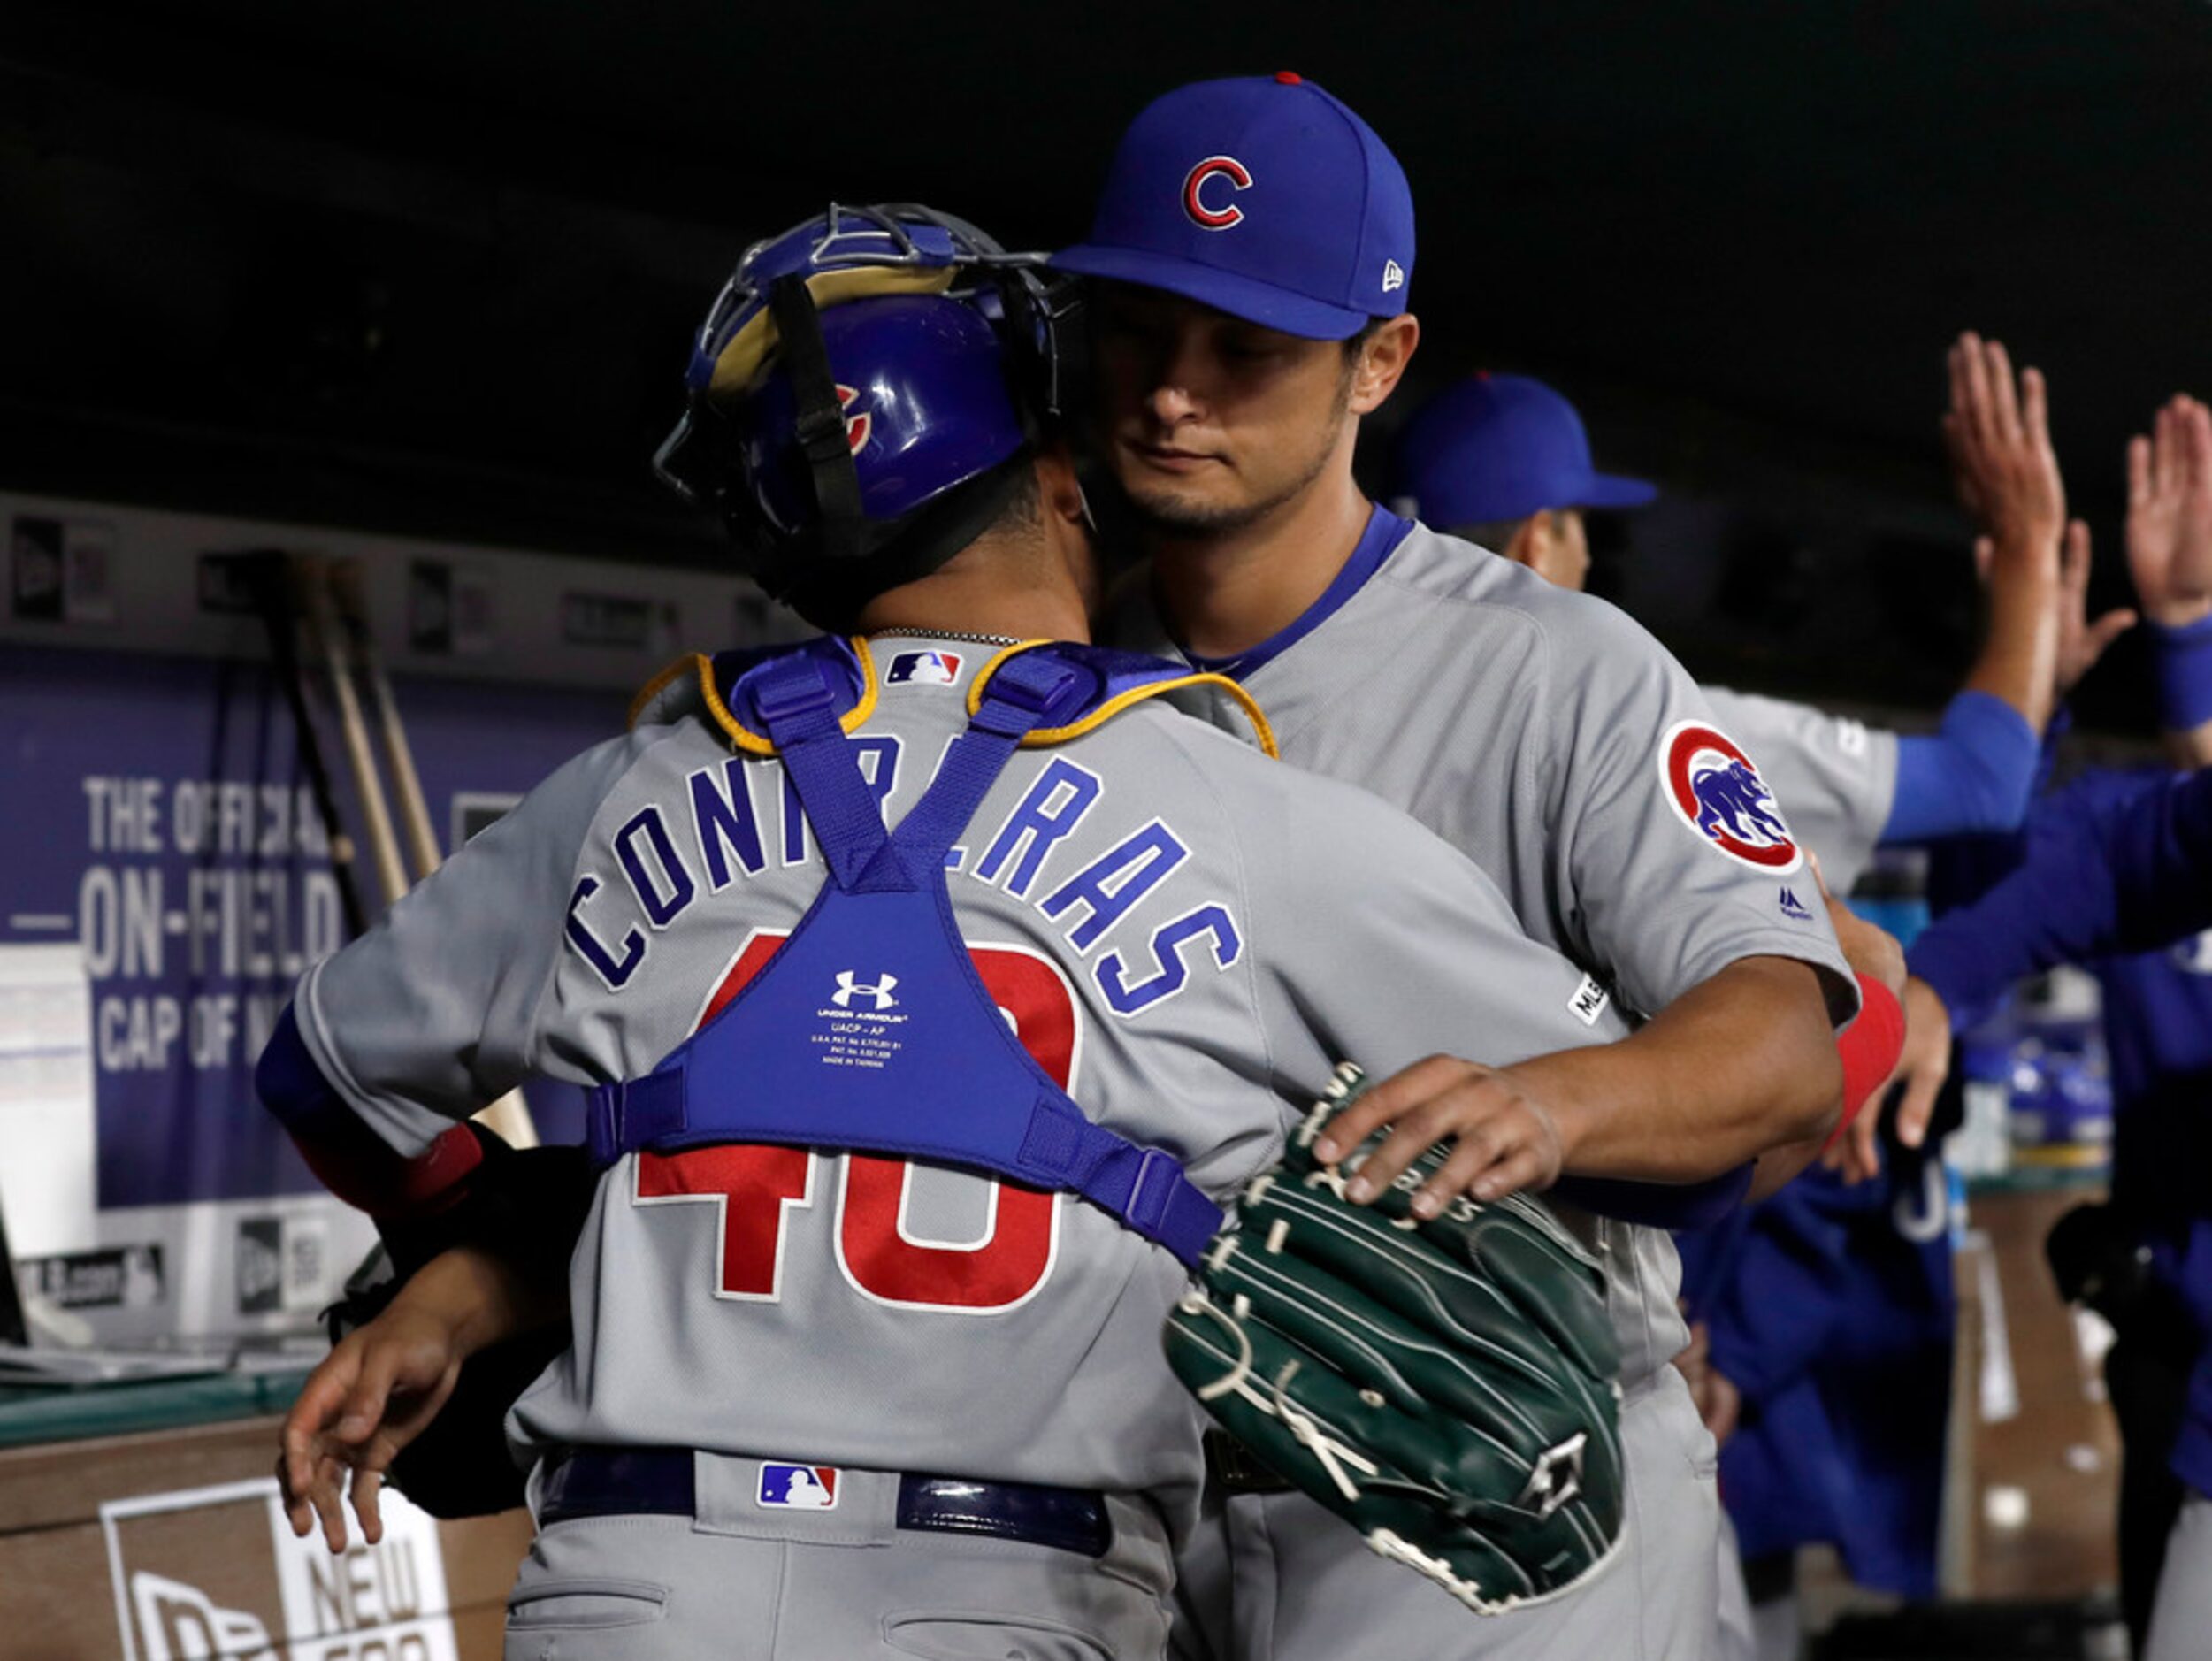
<point x="1321" y="218"/>
<point x="798" y="1487"/>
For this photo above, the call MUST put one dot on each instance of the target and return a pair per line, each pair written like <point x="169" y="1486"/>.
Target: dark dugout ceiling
<point x="276" y="253"/>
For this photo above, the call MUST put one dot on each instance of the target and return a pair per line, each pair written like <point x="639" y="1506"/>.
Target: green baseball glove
<point x="1448" y="1388"/>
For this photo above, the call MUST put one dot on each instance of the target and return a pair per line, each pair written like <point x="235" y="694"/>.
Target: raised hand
<point x="2169" y="514"/>
<point x="1999" y="438"/>
<point x="2080" y="642"/>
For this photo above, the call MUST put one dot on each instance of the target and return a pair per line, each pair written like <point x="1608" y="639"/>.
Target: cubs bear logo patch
<point x="1716" y="791"/>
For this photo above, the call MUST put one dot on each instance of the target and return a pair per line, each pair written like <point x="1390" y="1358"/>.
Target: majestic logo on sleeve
<point x="1717" y="790"/>
<point x="1195" y="193"/>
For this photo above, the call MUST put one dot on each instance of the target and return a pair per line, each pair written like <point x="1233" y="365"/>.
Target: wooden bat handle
<point x="384" y="848"/>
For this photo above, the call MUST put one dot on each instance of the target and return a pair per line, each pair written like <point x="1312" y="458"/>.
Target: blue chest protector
<point x="869" y="1029"/>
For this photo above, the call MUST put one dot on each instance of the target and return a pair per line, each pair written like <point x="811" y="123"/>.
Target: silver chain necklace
<point x="949" y="634"/>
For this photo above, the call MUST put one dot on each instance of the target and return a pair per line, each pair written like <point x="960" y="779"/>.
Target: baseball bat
<point x="508" y="1117"/>
<point x="422" y="838"/>
<point x="310" y="583"/>
<point x="267" y="574"/>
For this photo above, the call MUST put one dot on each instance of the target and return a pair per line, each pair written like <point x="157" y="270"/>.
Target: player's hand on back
<point x="1504" y="1138"/>
<point x="2170" y="515"/>
<point x="1873" y="951"/>
<point x="1925" y="1063"/>
<point x="1720" y="1403"/>
<point x="2007" y="474"/>
<point x="1868" y="948"/>
<point x="375" y="1391"/>
<point x="1922" y="1067"/>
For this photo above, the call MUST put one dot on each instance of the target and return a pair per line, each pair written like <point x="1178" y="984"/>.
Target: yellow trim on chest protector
<point x="1043" y="737"/>
<point x="739" y="734"/>
<point x="751" y="743"/>
<point x="738" y="363"/>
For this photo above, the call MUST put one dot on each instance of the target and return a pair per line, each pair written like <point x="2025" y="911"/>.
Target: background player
<point x="2085" y="858"/>
<point x="1787" y="1289"/>
<point x="2121" y="875"/>
<point x="1155" y="939"/>
<point x="1254" y="242"/>
<point x="1504" y="461"/>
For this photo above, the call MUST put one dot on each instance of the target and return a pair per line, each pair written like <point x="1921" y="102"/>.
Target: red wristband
<point x="1869" y="1048"/>
<point x="360" y="1167"/>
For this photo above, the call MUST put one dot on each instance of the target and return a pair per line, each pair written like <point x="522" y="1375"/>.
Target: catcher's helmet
<point x="865" y="395"/>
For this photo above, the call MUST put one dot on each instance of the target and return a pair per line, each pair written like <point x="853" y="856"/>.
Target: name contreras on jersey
<point x="671" y="855"/>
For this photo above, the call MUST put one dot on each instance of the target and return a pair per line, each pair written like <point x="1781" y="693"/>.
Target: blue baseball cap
<point x="1262" y="196"/>
<point x="1501" y="447"/>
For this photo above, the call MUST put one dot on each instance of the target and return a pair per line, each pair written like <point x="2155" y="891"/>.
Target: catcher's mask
<point x="865" y="396"/>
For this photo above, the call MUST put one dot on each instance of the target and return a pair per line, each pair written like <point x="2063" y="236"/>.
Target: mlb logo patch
<point x="798" y="1487"/>
<point x="924" y="669"/>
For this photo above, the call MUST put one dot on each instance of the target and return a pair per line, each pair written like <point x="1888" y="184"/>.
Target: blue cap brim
<point x="1608" y="490"/>
<point x="1258" y="303"/>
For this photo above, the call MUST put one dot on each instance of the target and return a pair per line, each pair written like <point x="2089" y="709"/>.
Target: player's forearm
<point x="2019" y="658"/>
<point x="2140" y="880"/>
<point x="1974" y="777"/>
<point x="482" y="1297"/>
<point x="1743" y="1064"/>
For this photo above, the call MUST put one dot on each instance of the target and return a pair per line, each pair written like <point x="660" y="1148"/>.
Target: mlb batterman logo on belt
<point x="1716" y="791"/>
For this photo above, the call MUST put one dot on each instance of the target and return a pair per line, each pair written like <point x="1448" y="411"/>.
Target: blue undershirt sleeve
<point x="2138" y="877"/>
<point x="2181" y="659"/>
<point x="1974" y="776"/>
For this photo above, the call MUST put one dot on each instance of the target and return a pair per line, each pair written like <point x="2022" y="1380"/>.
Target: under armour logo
<point x="1557" y="1477"/>
<point x="849" y="987"/>
<point x="1393" y="275"/>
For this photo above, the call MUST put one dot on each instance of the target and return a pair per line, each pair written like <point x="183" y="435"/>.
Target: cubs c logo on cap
<point x="1194" y="192"/>
<point x="1716" y="791"/>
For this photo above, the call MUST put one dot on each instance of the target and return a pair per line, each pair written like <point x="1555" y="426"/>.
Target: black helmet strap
<point x="820" y="426"/>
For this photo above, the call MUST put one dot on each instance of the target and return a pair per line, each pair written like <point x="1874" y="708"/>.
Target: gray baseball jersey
<point x="857" y="1311"/>
<point x="1550" y="739"/>
<point x="1835" y="778"/>
<point x="1558" y="746"/>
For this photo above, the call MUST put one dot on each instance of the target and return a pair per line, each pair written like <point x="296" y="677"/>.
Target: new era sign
<point x="216" y="1572"/>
